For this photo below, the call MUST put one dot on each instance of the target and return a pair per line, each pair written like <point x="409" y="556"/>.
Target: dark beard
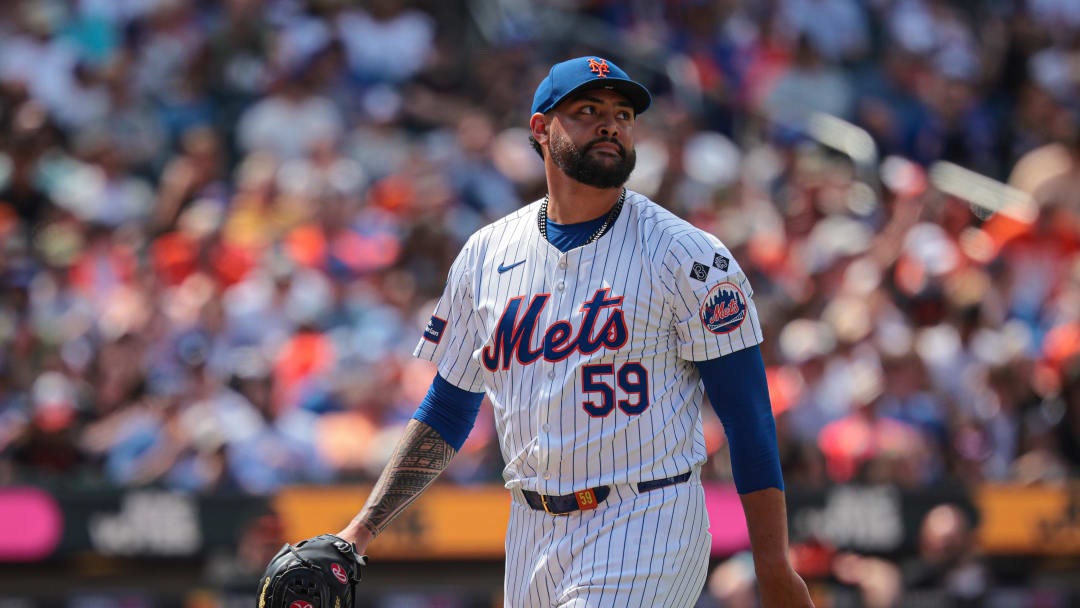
<point x="578" y="166"/>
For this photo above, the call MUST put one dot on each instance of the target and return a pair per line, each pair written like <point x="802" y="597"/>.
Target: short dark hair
<point x="536" y="146"/>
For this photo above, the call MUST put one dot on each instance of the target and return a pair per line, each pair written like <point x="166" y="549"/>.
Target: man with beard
<point x="591" y="319"/>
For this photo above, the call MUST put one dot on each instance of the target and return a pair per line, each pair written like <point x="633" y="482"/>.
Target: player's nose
<point x="607" y="126"/>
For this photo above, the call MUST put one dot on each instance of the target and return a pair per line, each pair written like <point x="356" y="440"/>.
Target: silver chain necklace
<point x="542" y="217"/>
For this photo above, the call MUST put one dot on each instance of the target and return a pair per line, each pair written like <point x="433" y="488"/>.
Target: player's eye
<point x="624" y="116"/>
<point x="588" y="110"/>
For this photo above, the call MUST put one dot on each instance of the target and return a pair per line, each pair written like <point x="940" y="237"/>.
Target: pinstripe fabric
<point x="662" y="294"/>
<point x="648" y="549"/>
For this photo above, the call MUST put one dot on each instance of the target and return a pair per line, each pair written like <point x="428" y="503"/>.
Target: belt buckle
<point x="543" y="501"/>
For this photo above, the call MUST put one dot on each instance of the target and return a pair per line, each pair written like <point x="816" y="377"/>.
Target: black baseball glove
<point x="320" y="572"/>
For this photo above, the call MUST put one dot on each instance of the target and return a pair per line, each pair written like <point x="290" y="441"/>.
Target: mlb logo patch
<point x="724" y="309"/>
<point x="720" y="262"/>
<point x="699" y="272"/>
<point x="434" y="330"/>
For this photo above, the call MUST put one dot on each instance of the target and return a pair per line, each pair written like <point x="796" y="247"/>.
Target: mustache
<point x="606" y="140"/>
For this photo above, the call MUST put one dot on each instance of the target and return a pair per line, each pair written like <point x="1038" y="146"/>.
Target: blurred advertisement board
<point x="446" y="522"/>
<point x="871" y="519"/>
<point x="469" y="522"/>
<point x="1033" y="520"/>
<point x="31" y="524"/>
<point x="36" y="524"/>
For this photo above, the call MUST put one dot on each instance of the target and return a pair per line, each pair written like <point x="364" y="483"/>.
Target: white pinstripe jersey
<point x="587" y="356"/>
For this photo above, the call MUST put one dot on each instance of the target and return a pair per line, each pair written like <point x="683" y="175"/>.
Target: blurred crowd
<point x="224" y="223"/>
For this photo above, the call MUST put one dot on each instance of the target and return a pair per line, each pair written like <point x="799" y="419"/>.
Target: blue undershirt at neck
<point x="567" y="236"/>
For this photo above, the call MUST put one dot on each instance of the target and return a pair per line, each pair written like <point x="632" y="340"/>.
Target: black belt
<point x="589" y="499"/>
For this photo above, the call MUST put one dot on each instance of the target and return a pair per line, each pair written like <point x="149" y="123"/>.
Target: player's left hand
<point x="783" y="588"/>
<point x="312" y="572"/>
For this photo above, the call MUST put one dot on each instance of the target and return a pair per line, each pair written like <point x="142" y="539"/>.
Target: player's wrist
<point x="358" y="533"/>
<point x="773" y="565"/>
<point x="783" y="587"/>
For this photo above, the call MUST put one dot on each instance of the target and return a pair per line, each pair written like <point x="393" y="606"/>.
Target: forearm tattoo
<point x="419" y="458"/>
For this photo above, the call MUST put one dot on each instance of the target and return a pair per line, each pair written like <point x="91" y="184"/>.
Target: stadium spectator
<point x="240" y="211"/>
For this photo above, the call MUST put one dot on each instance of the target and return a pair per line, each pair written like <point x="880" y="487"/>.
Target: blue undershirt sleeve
<point x="449" y="410"/>
<point x="739" y="393"/>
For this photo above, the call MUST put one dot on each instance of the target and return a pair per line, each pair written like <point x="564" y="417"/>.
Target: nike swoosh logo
<point x="503" y="269"/>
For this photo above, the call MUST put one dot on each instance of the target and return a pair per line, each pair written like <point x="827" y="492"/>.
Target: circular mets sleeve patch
<point x="724" y="308"/>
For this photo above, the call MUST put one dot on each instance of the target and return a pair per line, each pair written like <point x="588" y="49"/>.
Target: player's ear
<point x="538" y="126"/>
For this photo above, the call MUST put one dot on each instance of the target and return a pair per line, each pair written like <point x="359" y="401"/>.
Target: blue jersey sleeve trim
<point x="449" y="410"/>
<point x="739" y="393"/>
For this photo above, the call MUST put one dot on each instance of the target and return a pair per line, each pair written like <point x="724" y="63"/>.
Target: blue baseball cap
<point x="583" y="73"/>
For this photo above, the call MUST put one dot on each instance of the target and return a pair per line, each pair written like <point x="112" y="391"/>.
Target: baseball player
<point x="595" y="320"/>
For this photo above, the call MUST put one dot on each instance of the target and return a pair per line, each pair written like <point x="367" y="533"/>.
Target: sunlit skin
<point x="583" y="118"/>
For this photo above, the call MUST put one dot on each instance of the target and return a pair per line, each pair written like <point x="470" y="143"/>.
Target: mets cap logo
<point x="724" y="308"/>
<point x="600" y="68"/>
